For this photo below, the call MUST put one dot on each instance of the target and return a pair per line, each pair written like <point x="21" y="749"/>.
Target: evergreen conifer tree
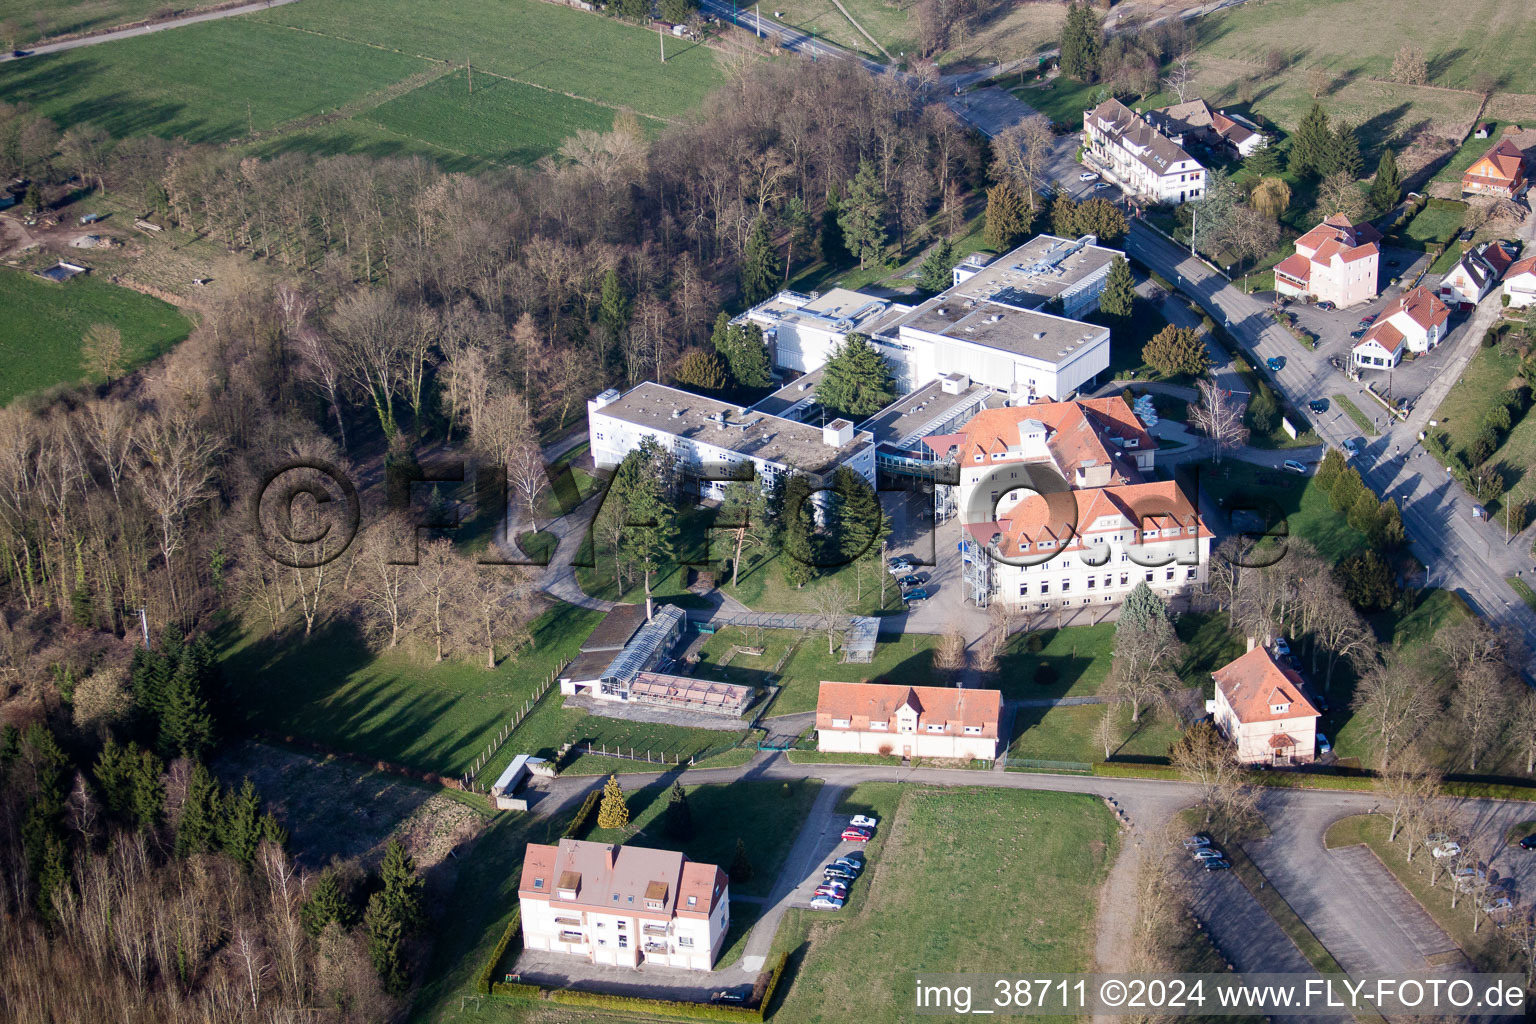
<point x="240" y="823"/>
<point x="1007" y="220"/>
<point x="937" y="269"/>
<point x="326" y="903"/>
<point x="402" y="886"/>
<point x="862" y="216"/>
<point x="834" y="248"/>
<point x="761" y="270"/>
<point x="856" y="382"/>
<point x="613" y="812"/>
<point x="1081" y="43"/>
<point x="1387" y="188"/>
<point x="198" y="829"/>
<point x="799" y="557"/>
<point x="1119" y="296"/>
<point x="148" y="792"/>
<point x="741" y="865"/>
<point x="1312" y="145"/>
<point x="1344" y="154"/>
<point x="679" y="820"/>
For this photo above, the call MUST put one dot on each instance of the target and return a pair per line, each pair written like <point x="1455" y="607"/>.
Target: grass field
<point x="384" y="78"/>
<point x="396" y="706"/>
<point x="1523" y="588"/>
<point x="764" y="815"/>
<point x="1360" y="419"/>
<point x="1017" y="874"/>
<point x="1432" y="225"/>
<point x="44" y="323"/>
<point x="1066" y="734"/>
<point x="32" y="21"/>
<point x="1468" y="153"/>
<point x="1299" y="501"/>
<point x="1461" y="416"/>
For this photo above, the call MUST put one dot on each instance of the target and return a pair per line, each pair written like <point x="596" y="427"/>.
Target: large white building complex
<point x="622" y="905"/>
<point x="1058" y="512"/>
<point x="1007" y="332"/>
<point x="1127" y="149"/>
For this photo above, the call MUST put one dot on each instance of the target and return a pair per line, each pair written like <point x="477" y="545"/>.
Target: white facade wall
<point x="1070" y="581"/>
<point x="1345" y="283"/>
<point x="1252" y="738"/>
<point x="1371" y="355"/>
<point x="1521" y="289"/>
<point x="898" y="741"/>
<point x="1458" y="287"/>
<point x="622" y="939"/>
<point x="1022" y="377"/>
<point x="1181" y="182"/>
<point x="800" y="347"/>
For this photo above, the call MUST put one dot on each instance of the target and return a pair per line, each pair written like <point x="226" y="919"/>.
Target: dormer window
<point x="538" y="883"/>
<point x="693" y="901"/>
<point x="841" y="723"/>
<point x="1279" y="709"/>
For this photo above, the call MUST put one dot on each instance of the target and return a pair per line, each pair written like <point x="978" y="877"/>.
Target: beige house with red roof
<point x="1262" y="708"/>
<point x="1416" y="321"/>
<point x="908" y="721"/>
<point x="1337" y="262"/>
<point x="623" y="905"/>
<point x="1520" y="283"/>
<point x="1057" y="512"/>
<point x="1498" y="172"/>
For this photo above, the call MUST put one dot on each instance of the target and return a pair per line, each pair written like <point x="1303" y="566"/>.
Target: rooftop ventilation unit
<point x="677" y="414"/>
<point x="1039" y="335"/>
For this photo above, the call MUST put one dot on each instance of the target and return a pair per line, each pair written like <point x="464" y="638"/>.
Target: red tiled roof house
<point x="908" y="721"/>
<point x="1337" y="262"/>
<point x="1262" y="709"/>
<point x="1498" y="172"/>
<point x="623" y="905"/>
<point x="1416" y="321"/>
<point x="1520" y="283"/>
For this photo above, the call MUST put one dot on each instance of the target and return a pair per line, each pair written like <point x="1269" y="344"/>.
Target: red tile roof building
<point x="1337" y="262"/>
<point x="1520" y="283"/>
<point x="1498" y="172"/>
<point x="1476" y="274"/>
<point x="623" y="905"/>
<point x="1416" y="321"/>
<point x="908" y="721"/>
<point x="1262" y="707"/>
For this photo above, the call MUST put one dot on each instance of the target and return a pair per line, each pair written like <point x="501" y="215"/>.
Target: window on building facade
<point x="1066" y="585"/>
<point x="1170" y="574"/>
<point x="1125" y="580"/>
<point x="1092" y="583"/>
<point x="686" y="941"/>
<point x="1149" y="575"/>
<point x="1045" y="588"/>
<point x="1190" y="574"/>
<point x="1023" y="589"/>
<point x="841" y="723"/>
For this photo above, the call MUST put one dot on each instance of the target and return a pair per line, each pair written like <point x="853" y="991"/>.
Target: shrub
<point x="513" y="932"/>
<point x="578" y="826"/>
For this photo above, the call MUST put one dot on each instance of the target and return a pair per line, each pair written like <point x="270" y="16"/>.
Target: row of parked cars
<point x="832" y="892"/>
<point x="1205" y="853"/>
<point x="908" y="579"/>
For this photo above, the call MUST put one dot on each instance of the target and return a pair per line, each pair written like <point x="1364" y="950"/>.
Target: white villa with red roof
<point x="908" y="721"/>
<point x="1476" y="274"/>
<point x="1057" y="514"/>
<point x="1334" y="262"/>
<point x="1262" y="708"/>
<point x="1416" y="321"/>
<point x="1520" y="283"/>
<point x="623" y="905"/>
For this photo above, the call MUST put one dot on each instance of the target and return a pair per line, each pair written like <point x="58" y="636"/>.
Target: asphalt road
<point x="144" y="30"/>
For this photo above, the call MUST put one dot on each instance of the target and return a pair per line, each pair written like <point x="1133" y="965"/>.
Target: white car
<point x="1295" y="467"/>
<point x="863" y="821"/>
<point x="899" y="568"/>
<point x="1445" y="850"/>
<point x="1351" y="448"/>
<point x="1208" y="853"/>
<point x="826" y="903"/>
<point x="1087" y="176"/>
<point x="1282" y="646"/>
<point x="1196" y="842"/>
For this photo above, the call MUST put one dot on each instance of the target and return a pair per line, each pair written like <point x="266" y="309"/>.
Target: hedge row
<point x="513" y="932"/>
<point x="650" y="1007"/>
<point x="578" y="826"/>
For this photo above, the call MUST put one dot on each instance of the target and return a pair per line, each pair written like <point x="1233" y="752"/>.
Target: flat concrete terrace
<point x="732" y="428"/>
<point x="840" y="310"/>
<point x="1006" y="328"/>
<point x="793" y="398"/>
<point x="929" y="409"/>
<point x="1036" y="272"/>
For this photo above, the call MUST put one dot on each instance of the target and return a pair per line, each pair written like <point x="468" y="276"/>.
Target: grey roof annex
<point x="1050" y="339"/>
<point x="1036" y="272"/>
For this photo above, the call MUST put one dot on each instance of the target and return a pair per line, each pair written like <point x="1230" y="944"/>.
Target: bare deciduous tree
<point x="1142" y="673"/>
<point x="1181" y="75"/>
<point x="1218" y="417"/>
<point x="1481" y="700"/>
<point x="829" y="608"/>
<point x="175" y="474"/>
<point x="102" y="351"/>
<point x="1396" y="698"/>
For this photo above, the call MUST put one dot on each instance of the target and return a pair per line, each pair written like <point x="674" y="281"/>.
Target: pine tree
<point x="862" y="216"/>
<point x="650" y="534"/>
<point x="10" y="745"/>
<point x="1081" y="43"/>
<point x="679" y="821"/>
<point x="750" y="364"/>
<point x="1140" y="607"/>
<point x="1266" y="161"/>
<point x="613" y="812"/>
<point x="856" y="382"/>
<point x="1007" y="220"/>
<point x="114" y="777"/>
<point x="240" y="823"/>
<point x="186" y="726"/>
<point x="1363" y="512"/>
<point x="402" y="887"/>
<point x="1100" y="218"/>
<point x="936" y="272"/>
<point x="1312" y="145"/>
<point x="1344" y="154"/>
<point x="701" y="371"/>
<point x="148" y="792"/>
<point x="761" y="270"/>
<point x="741" y="864"/>
<point x="1175" y="351"/>
<point x="326" y="903"/>
<point x="198" y="829"/>
<point x="272" y="831"/>
<point x="859" y="524"/>
<point x="614" y="308"/>
<point x="1387" y="188"/>
<point x="834" y="248"/>
<point x="1330" y="469"/>
<point x="1064" y="216"/>
<point x="799" y="557"/>
<point x="1119" y="296"/>
<point x="386" y="942"/>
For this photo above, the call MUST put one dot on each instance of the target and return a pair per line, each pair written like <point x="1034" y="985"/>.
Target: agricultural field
<point x="27" y="21"/>
<point x="325" y="77"/>
<point x="41" y="332"/>
<point x="396" y="706"/>
<point x="1018" y="875"/>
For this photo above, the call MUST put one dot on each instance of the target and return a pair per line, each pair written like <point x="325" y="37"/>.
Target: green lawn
<point x="1361" y="420"/>
<point x="1461" y="414"/>
<point x="387" y="75"/>
<point x="1433" y="225"/>
<point x="1279" y="496"/>
<point x="44" y="323"/>
<point x="1066" y="734"/>
<point x="1524" y="590"/>
<point x="1468" y="154"/>
<point x="396" y="706"/>
<point x="32" y="20"/>
<point x="1017" y="874"/>
<point x="765" y="815"/>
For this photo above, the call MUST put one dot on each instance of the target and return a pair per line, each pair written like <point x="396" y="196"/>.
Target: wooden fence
<point x="506" y="732"/>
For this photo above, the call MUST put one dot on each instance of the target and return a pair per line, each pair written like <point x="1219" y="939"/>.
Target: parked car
<point x="1436" y="838"/>
<point x="1275" y="363"/>
<point x="1318" y="405"/>
<point x="858" y="835"/>
<point x="1323" y="746"/>
<point x="1087" y="176"/>
<point x="863" y="821"/>
<point x="728" y="997"/>
<point x="1208" y="853"/>
<point x="1529" y="842"/>
<point x="838" y="871"/>
<point x="1103" y="184"/>
<point x="21" y="53"/>
<point x="1295" y="467"/>
<point x="1333" y="361"/>
<point x="1358" y="334"/>
<point x="1467" y="878"/>
<point x="1350" y="448"/>
<point x="899" y="569"/>
<point x="1215" y="865"/>
<point x="836" y="890"/>
<point x="1282" y="646"/>
<point x="1498" y="904"/>
<point x="1447" y="849"/>
<point x="1368" y="319"/>
<point x="1196" y="841"/>
<point x="1294" y="662"/>
<point x="827" y="903"/>
<point x="852" y="861"/>
<point x="918" y="594"/>
<point x="910" y="580"/>
<point x="1326" y="306"/>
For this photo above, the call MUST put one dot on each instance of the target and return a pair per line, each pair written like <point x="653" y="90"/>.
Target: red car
<point x="858" y="835"/>
<point x="837" y="892"/>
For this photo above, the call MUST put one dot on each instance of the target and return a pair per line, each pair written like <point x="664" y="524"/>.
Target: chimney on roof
<point x="650" y="613"/>
<point x="612" y="857"/>
<point x="1250" y="643"/>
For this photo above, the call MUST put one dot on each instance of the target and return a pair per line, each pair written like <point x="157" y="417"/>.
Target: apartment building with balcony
<point x="1127" y="149"/>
